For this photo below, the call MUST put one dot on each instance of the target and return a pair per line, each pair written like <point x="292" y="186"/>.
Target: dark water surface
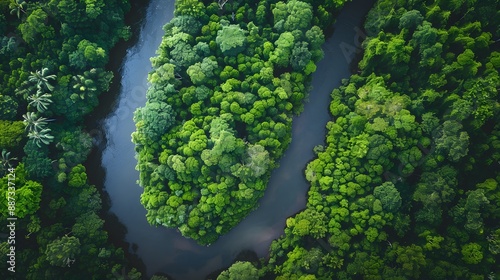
<point x="165" y="250"/>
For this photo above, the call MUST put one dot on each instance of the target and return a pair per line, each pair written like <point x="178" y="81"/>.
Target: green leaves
<point x="63" y="252"/>
<point x="40" y="101"/>
<point x="27" y="194"/>
<point x="88" y="55"/>
<point x="42" y="79"/>
<point x="472" y="253"/>
<point x="231" y="39"/>
<point x="154" y="120"/>
<point x="40" y="137"/>
<point x="11" y="134"/>
<point x="77" y="177"/>
<point x="389" y="196"/>
<point x="452" y="141"/>
<point x="411" y="20"/>
<point x="241" y="271"/>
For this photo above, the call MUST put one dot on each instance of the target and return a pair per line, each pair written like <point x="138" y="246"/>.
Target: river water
<point x="165" y="250"/>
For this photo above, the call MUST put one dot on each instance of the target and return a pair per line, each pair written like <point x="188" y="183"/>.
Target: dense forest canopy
<point x="406" y="186"/>
<point x="52" y="69"/>
<point x="227" y="80"/>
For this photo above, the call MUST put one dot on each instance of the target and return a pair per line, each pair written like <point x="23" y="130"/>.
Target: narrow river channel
<point x="165" y="250"/>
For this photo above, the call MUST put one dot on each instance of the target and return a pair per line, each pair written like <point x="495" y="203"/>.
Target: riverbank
<point x="93" y="125"/>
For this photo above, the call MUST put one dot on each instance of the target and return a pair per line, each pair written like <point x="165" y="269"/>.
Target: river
<point x="166" y="250"/>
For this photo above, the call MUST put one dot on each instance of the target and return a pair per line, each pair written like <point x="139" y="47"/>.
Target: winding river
<point x="165" y="250"/>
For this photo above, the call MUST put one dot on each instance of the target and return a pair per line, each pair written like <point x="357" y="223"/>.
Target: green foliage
<point x="451" y="141"/>
<point x="472" y="253"/>
<point x="154" y="120"/>
<point x="88" y="55"/>
<point x="62" y="252"/>
<point x="411" y="19"/>
<point x="8" y="108"/>
<point x="77" y="177"/>
<point x="25" y="193"/>
<point x="389" y="196"/>
<point x="231" y="39"/>
<point x="11" y="134"/>
<point x="240" y="271"/>
<point x="404" y="184"/>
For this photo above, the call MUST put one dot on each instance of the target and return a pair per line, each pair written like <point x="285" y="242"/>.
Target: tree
<point x="77" y="177"/>
<point x="11" y="134"/>
<point x="299" y="15"/>
<point x="27" y="193"/>
<point x="472" y="210"/>
<point x="17" y="7"/>
<point x="8" y="108"/>
<point x="83" y="84"/>
<point x="88" y="229"/>
<point x="93" y="8"/>
<point x="308" y="222"/>
<point x="88" y="54"/>
<point x="36" y="27"/>
<point x="315" y="37"/>
<point x="40" y="137"/>
<point x="389" y="196"/>
<point x="34" y="123"/>
<point x="300" y="56"/>
<point x="37" y="162"/>
<point x="472" y="253"/>
<point x="410" y="258"/>
<point x="154" y="119"/>
<point x="6" y="160"/>
<point x="75" y="146"/>
<point x="231" y="39"/>
<point x="63" y="252"/>
<point x="283" y="51"/>
<point x="194" y="8"/>
<point x="28" y="198"/>
<point x="40" y="101"/>
<point x="42" y="79"/>
<point x="240" y="271"/>
<point x="411" y="20"/>
<point x="34" y="225"/>
<point x="452" y="141"/>
<point x="201" y="72"/>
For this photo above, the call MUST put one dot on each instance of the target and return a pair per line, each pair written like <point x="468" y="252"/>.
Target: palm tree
<point x="82" y="84"/>
<point x="6" y="159"/>
<point x="41" y="137"/>
<point x="33" y="123"/>
<point x="41" y="78"/>
<point x="40" y="100"/>
<point x="17" y="6"/>
<point x="221" y="3"/>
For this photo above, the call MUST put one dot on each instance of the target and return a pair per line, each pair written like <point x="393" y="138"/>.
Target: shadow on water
<point x="93" y="125"/>
<point x="165" y="250"/>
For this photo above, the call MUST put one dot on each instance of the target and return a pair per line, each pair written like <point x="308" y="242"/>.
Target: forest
<point x="406" y="185"/>
<point x="227" y="79"/>
<point x="53" y="57"/>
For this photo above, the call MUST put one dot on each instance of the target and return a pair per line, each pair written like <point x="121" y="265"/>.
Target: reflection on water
<point x="165" y="250"/>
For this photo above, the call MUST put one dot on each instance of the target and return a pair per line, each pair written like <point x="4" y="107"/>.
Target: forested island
<point x="404" y="187"/>
<point x="228" y="77"/>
